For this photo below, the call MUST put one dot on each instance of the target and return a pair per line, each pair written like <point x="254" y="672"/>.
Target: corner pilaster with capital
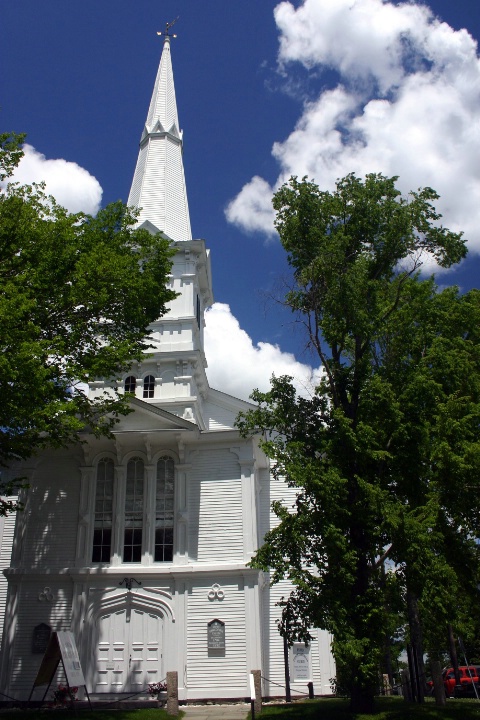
<point x="249" y="499"/>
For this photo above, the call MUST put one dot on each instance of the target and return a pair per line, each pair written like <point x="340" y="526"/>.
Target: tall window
<point x="130" y="384"/>
<point x="149" y="386"/>
<point x="102" y="530"/>
<point x="132" y="547"/>
<point x="164" y="510"/>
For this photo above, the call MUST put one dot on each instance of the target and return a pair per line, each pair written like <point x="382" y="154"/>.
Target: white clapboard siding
<point x="276" y="669"/>
<point x="177" y="221"/>
<point x="33" y="609"/>
<point x="323" y="668"/>
<point x="138" y="177"/>
<point x="159" y="188"/>
<point x="227" y="675"/>
<point x="7" y="529"/>
<point x="215" y="507"/>
<point x="219" y="418"/>
<point x="52" y="514"/>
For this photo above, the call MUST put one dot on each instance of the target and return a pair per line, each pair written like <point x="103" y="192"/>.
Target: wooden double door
<point x="128" y="651"/>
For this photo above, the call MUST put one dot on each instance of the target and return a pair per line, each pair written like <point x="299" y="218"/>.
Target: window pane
<point x="164" y="506"/>
<point x="163" y="545"/>
<point x="102" y="538"/>
<point x="132" y="546"/>
<point x="102" y="526"/>
<point x="130" y="384"/>
<point x="149" y="386"/>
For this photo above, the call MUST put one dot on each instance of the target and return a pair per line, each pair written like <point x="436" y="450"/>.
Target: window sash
<point x="149" y="386"/>
<point x="129" y="508"/>
<point x="103" y="518"/>
<point x="133" y="518"/>
<point x="130" y="384"/>
<point x="164" y="510"/>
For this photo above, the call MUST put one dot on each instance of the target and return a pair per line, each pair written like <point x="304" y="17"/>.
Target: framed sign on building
<point x="40" y="638"/>
<point x="216" y="638"/>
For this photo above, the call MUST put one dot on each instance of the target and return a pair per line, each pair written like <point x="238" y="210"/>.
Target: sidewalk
<point x="216" y="712"/>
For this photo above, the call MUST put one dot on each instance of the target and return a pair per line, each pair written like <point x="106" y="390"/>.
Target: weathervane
<point x="167" y="28"/>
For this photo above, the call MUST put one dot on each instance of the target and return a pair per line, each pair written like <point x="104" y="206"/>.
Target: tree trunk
<point x="453" y="654"/>
<point x="362" y="700"/>
<point x="387" y="652"/>
<point x="364" y="684"/>
<point x="416" y="638"/>
<point x="412" y="675"/>
<point x="387" y="659"/>
<point x="438" y="686"/>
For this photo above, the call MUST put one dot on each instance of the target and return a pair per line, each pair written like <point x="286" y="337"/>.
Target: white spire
<point x="158" y="185"/>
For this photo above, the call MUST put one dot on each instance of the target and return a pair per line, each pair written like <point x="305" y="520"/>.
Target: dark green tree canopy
<point x="77" y="294"/>
<point x="380" y="452"/>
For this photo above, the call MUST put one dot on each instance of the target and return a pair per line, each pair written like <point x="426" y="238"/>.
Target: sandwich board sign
<point x="61" y="648"/>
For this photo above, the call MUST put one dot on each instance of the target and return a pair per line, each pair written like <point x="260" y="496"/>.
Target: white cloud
<point x="407" y="103"/>
<point x="252" y="209"/>
<point x="71" y="185"/>
<point x="237" y="366"/>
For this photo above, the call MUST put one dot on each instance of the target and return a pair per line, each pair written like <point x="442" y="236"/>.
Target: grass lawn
<point x="107" y="714"/>
<point x="391" y="708"/>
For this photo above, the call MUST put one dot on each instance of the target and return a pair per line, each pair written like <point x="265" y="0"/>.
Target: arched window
<point x="130" y="384"/>
<point x="102" y="529"/>
<point x="132" y="546"/>
<point x="149" y="386"/>
<point x="164" y="510"/>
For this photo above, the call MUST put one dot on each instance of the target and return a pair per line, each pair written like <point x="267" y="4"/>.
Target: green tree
<point x="432" y="363"/>
<point x="77" y="294"/>
<point x="363" y="451"/>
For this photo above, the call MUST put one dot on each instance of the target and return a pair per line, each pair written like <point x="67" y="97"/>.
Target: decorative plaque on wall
<point x="216" y="638"/>
<point x="40" y="638"/>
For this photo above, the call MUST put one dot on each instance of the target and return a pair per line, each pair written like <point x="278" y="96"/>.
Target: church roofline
<point x="231" y="400"/>
<point x="155" y="410"/>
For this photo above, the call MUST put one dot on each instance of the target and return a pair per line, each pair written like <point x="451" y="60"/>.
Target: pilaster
<point x="118" y="514"/>
<point x="149" y="517"/>
<point x="86" y="514"/>
<point x="249" y="508"/>
<point x="181" y="540"/>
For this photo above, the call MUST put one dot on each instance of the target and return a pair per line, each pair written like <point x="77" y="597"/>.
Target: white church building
<point x="140" y="543"/>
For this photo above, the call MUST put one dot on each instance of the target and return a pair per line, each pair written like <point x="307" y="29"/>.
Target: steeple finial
<point x="166" y="34"/>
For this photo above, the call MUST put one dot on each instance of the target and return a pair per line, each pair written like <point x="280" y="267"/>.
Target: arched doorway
<point x="128" y="649"/>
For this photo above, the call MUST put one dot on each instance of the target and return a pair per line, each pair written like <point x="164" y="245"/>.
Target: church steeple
<point x="172" y="374"/>
<point x="158" y="186"/>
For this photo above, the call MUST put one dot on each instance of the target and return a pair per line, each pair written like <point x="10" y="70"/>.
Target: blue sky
<point x="368" y="85"/>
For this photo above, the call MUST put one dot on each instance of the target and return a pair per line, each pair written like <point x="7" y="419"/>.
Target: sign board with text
<point x="61" y="646"/>
<point x="301" y="667"/>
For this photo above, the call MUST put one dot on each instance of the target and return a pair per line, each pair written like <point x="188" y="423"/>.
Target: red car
<point x="468" y="676"/>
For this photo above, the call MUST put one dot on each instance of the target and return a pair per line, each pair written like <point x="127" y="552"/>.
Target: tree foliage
<point x="77" y="294"/>
<point x="381" y="453"/>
